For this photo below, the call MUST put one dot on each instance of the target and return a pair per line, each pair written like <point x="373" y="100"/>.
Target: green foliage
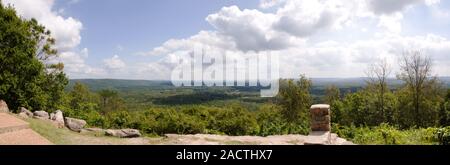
<point x="110" y="101"/>
<point x="442" y="135"/>
<point x="271" y="121"/>
<point x="295" y="100"/>
<point x="385" y="134"/>
<point x="427" y="115"/>
<point x="27" y="78"/>
<point x="119" y="119"/>
<point x="81" y="98"/>
<point x="332" y="94"/>
<point x="163" y="121"/>
<point x="236" y="121"/>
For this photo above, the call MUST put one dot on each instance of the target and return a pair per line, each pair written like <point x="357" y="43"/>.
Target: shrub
<point x="270" y="121"/>
<point x="385" y="134"/>
<point x="236" y="121"/>
<point x="119" y="119"/>
<point x="442" y="135"/>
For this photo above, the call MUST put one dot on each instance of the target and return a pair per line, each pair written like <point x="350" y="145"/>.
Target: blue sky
<point x="141" y="39"/>
<point x="141" y="25"/>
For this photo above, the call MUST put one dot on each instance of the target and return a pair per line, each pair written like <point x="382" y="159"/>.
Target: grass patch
<point x="63" y="136"/>
<point x="49" y="131"/>
<point x="387" y="135"/>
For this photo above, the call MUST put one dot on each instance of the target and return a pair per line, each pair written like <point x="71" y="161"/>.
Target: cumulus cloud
<point x="75" y="64"/>
<point x="248" y="29"/>
<point x="389" y="7"/>
<point x="264" y="4"/>
<point x="65" y="30"/>
<point x="298" y="32"/>
<point x="114" y="63"/>
<point x="347" y="59"/>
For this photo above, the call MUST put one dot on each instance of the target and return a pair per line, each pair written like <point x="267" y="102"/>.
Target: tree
<point x="27" y="78"/>
<point x="444" y="113"/>
<point x="295" y="101"/>
<point x="378" y="74"/>
<point x="80" y="95"/>
<point x="332" y="94"/>
<point x="110" y="100"/>
<point x="422" y="91"/>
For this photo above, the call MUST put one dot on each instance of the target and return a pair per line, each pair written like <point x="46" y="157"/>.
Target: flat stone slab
<point x="23" y="137"/>
<point x="318" y="138"/>
<point x="14" y="131"/>
<point x="320" y="106"/>
<point x="9" y="123"/>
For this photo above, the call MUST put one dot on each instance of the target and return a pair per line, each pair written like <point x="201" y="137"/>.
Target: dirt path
<point x="14" y="131"/>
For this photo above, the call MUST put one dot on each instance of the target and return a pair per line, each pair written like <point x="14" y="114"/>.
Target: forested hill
<point x="97" y="84"/>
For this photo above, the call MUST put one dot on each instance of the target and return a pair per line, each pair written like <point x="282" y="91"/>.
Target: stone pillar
<point x="320" y="117"/>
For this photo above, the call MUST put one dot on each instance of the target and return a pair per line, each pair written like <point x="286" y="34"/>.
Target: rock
<point x="318" y="138"/>
<point x="3" y="106"/>
<point x="123" y="133"/>
<point x="23" y="115"/>
<point x="58" y="118"/>
<point x="75" y="124"/>
<point x="52" y="115"/>
<point x="25" y="111"/>
<point x="41" y="115"/>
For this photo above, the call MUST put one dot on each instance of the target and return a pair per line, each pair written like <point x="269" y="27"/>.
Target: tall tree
<point x="110" y="100"/>
<point x="79" y="95"/>
<point x="27" y="78"/>
<point x="378" y="74"/>
<point x="332" y="94"/>
<point x="295" y="100"/>
<point x="423" y="90"/>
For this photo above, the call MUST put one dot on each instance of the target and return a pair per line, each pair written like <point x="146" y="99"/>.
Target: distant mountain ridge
<point x="96" y="84"/>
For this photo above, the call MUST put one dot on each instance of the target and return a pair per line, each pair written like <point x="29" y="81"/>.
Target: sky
<point x="142" y="39"/>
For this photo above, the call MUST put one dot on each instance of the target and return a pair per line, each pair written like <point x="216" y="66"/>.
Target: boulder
<point x="75" y="124"/>
<point x="52" y="115"/>
<point x="123" y="133"/>
<point x="23" y="115"/>
<point x="58" y="118"/>
<point x="27" y="112"/>
<point x="3" y="106"/>
<point x="41" y="115"/>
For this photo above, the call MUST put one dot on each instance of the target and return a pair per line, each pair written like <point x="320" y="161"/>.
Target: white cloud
<point x="264" y="4"/>
<point x="389" y="6"/>
<point x="309" y="36"/>
<point x="65" y="30"/>
<point x="349" y="59"/>
<point x="114" y="63"/>
<point x="391" y="22"/>
<point x="306" y="35"/>
<point x="248" y="29"/>
<point x="75" y="63"/>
